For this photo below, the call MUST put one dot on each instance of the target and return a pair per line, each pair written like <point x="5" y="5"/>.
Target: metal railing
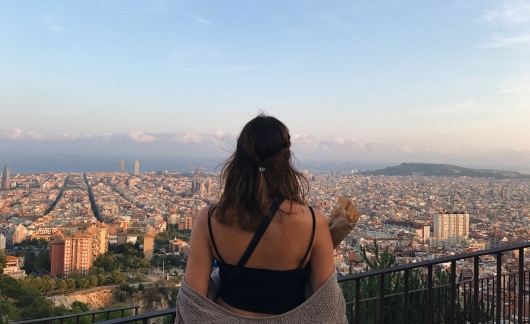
<point x="423" y="292"/>
<point x="78" y="316"/>
<point x="144" y="318"/>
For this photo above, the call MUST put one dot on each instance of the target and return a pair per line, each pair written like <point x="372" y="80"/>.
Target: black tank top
<point x="264" y="290"/>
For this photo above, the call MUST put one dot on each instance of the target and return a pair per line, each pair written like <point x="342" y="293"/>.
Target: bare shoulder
<point x="321" y="219"/>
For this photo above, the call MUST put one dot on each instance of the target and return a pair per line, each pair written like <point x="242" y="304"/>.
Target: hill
<point x="440" y="170"/>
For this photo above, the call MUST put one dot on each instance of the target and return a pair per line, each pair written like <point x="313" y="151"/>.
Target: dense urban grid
<point x="64" y="231"/>
<point x="415" y="217"/>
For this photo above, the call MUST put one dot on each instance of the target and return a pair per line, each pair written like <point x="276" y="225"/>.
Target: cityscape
<point x="116" y="117"/>
<point x="415" y="218"/>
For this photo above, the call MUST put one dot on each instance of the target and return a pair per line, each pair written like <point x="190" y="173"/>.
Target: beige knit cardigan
<point x="326" y="305"/>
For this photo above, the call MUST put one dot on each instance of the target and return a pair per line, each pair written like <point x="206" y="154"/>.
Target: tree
<point x="117" y="277"/>
<point x="102" y="280"/>
<point x="71" y="283"/>
<point x="9" y="311"/>
<point x="93" y="280"/>
<point x="394" y="285"/>
<point x="3" y="262"/>
<point x="42" y="261"/>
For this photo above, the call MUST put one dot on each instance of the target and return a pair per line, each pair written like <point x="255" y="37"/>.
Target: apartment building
<point x="75" y="252"/>
<point x="451" y="228"/>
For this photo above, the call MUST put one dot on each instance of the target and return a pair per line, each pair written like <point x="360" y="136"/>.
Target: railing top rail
<point x="47" y="319"/>
<point x="432" y="262"/>
<point x="139" y="317"/>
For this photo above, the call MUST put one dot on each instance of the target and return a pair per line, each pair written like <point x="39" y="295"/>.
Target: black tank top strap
<point x="211" y="234"/>
<point x="259" y="233"/>
<point x="312" y="238"/>
<point x="251" y="247"/>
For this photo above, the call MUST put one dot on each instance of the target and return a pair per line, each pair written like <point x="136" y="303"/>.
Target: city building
<point x="451" y="228"/>
<point x="122" y="166"/>
<point x="188" y="222"/>
<point x="2" y="243"/>
<point x="57" y="257"/>
<point x="136" y="167"/>
<point x="121" y="237"/>
<point x="76" y="251"/>
<point x="177" y="245"/>
<point x="20" y="233"/>
<point x="149" y="243"/>
<point x="6" y="178"/>
<point x="12" y="269"/>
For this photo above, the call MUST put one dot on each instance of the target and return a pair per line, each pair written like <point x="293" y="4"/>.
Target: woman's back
<point x="259" y="171"/>
<point x="282" y="247"/>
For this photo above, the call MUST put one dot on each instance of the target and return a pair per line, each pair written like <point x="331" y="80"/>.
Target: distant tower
<point x="333" y="173"/>
<point x="6" y="178"/>
<point x="136" y="167"/>
<point x="122" y="166"/>
<point x="207" y="187"/>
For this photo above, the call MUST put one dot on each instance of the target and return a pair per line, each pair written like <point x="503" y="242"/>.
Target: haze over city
<point x="360" y="82"/>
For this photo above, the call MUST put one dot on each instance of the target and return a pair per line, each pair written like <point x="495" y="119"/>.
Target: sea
<point x="28" y="163"/>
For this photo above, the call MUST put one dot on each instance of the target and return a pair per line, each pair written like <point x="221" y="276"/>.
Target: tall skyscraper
<point x="122" y="166"/>
<point x="136" y="167"/>
<point x="451" y="228"/>
<point x="6" y="178"/>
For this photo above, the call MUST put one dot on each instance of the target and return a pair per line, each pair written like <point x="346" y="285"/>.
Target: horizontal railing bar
<point x="139" y="317"/>
<point x="48" y="319"/>
<point x="425" y="263"/>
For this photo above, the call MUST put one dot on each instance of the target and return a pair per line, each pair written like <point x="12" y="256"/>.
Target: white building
<point x="451" y="228"/>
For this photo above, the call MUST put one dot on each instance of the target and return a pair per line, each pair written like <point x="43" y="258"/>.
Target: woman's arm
<point x="200" y="258"/>
<point x="322" y="260"/>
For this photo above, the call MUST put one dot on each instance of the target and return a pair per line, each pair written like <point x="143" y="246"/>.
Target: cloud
<point x="140" y="137"/>
<point x="15" y="133"/>
<point x="35" y="135"/>
<point x="70" y="135"/>
<point x="305" y="139"/>
<point x="500" y="42"/>
<point x="509" y="13"/>
<point x="201" y="20"/>
<point x="51" y="23"/>
<point x="219" y="134"/>
<point x="189" y="138"/>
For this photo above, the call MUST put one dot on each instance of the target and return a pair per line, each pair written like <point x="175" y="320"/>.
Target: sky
<point x="380" y="82"/>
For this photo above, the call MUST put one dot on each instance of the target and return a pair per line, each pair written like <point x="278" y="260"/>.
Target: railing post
<point x="382" y="299"/>
<point x="406" y="296"/>
<point x="357" y="301"/>
<point x="475" y="290"/>
<point x="498" y="288"/>
<point x="520" y="297"/>
<point x="93" y="318"/>
<point x="452" y="305"/>
<point x="430" y="301"/>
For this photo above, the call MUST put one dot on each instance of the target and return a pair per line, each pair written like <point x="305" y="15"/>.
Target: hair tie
<point x="261" y="169"/>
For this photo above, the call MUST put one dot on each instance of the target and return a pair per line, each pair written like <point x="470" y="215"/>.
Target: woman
<point x="267" y="241"/>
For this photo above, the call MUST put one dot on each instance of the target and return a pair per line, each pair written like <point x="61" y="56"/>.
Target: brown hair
<point x="259" y="171"/>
